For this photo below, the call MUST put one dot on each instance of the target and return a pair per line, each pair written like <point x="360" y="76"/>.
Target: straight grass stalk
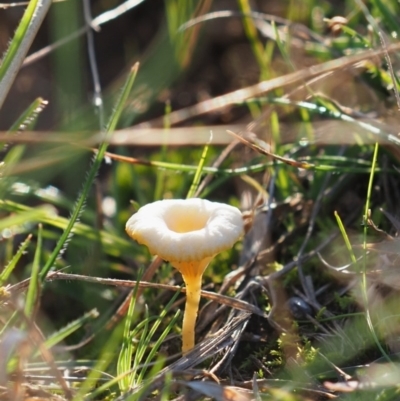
<point x="255" y="43"/>
<point x="199" y="170"/>
<point x="34" y="289"/>
<point x="158" y="193"/>
<point x="364" y="270"/>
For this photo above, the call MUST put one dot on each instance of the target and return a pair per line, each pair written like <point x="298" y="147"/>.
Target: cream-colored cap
<point x="184" y="230"/>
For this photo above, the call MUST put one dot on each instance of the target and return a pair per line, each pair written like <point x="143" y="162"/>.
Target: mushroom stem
<point x="193" y="293"/>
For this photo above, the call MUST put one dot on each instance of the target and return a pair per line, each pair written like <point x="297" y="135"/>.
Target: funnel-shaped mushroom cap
<point x="187" y="230"/>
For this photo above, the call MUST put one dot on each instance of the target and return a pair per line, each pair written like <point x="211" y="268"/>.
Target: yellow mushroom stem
<point x="192" y="273"/>
<point x="193" y="293"/>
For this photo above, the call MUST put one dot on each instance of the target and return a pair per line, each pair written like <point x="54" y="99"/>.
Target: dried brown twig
<point x="222" y="299"/>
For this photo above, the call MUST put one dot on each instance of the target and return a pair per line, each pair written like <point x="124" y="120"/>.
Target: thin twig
<point x="222" y="299"/>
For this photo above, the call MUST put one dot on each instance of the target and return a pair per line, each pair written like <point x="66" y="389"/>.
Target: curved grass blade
<point x="60" y="335"/>
<point x="113" y="244"/>
<point x="13" y="262"/>
<point x="72" y="327"/>
<point x="345" y="237"/>
<point x="25" y="216"/>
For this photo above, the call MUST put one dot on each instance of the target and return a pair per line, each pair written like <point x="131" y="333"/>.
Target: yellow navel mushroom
<point x="188" y="233"/>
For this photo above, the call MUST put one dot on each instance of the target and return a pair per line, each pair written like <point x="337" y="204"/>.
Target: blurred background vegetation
<point x="326" y="310"/>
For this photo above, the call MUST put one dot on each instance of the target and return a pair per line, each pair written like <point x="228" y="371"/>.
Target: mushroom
<point x="188" y="233"/>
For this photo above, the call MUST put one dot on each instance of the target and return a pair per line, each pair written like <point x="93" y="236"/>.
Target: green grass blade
<point x="158" y="365"/>
<point x="160" y="179"/>
<point x="29" y="116"/>
<point x="71" y="328"/>
<point x="388" y="17"/>
<point x="369" y="191"/>
<point x="141" y="349"/>
<point x="20" y="44"/>
<point x="56" y="338"/>
<point x="282" y="46"/>
<point x="126" y="354"/>
<point x="153" y="330"/>
<point x="252" y="35"/>
<point x="130" y="369"/>
<point x="106" y="357"/>
<point x="126" y="89"/>
<point x="13" y="156"/>
<point x="157" y="345"/>
<point x="18" y="37"/>
<point x="142" y="393"/>
<point x="345" y="237"/>
<point x="125" y="370"/>
<point x="113" y="244"/>
<point x="9" y="323"/>
<point x="92" y="174"/>
<point x="364" y="270"/>
<point x="33" y="289"/>
<point x="5" y="274"/>
<point x="199" y="170"/>
<point x="30" y="215"/>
